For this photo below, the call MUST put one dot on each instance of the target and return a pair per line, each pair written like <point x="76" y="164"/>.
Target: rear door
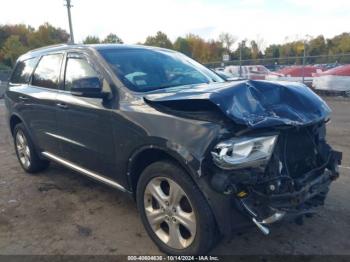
<point x="84" y="124"/>
<point x="36" y="100"/>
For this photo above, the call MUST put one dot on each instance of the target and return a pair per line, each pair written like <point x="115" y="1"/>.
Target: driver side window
<point x="77" y="68"/>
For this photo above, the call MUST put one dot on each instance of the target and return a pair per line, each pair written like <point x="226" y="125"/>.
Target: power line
<point x="70" y="21"/>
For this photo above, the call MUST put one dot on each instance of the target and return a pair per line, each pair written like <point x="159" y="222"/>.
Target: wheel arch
<point x="13" y="121"/>
<point x="221" y="205"/>
<point x="147" y="155"/>
<point x="16" y="119"/>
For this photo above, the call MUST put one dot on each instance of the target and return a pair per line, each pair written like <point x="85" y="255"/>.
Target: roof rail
<point x="49" y="47"/>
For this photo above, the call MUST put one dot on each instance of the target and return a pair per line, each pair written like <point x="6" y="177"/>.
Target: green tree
<point x="17" y="39"/>
<point x="113" y="39"/>
<point x="160" y="40"/>
<point x="255" y="50"/>
<point x="316" y="46"/>
<point x="200" y="49"/>
<point x="12" y="49"/>
<point x="244" y="50"/>
<point x="339" y="44"/>
<point x="20" y="30"/>
<point x="272" y="51"/>
<point x="215" y="51"/>
<point x="91" y="40"/>
<point x="47" y="35"/>
<point x="197" y="47"/>
<point x="182" y="45"/>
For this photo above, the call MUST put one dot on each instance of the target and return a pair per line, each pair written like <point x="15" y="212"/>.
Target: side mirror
<point x="88" y="87"/>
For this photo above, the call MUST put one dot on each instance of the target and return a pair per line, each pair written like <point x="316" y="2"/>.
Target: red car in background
<point x="295" y="74"/>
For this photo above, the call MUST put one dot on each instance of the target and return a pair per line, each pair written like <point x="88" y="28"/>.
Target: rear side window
<point x="23" y="71"/>
<point x="48" y="71"/>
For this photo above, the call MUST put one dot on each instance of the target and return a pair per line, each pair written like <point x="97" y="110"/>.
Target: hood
<point x="256" y="104"/>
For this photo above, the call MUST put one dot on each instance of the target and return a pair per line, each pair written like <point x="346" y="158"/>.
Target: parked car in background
<point x="227" y="76"/>
<point x="295" y="74"/>
<point x="254" y="72"/>
<point x="335" y="79"/>
<point x="201" y="156"/>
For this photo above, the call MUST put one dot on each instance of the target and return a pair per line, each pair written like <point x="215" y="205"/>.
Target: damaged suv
<point x="202" y="157"/>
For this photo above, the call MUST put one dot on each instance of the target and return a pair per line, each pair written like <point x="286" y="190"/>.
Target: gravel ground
<point x="61" y="212"/>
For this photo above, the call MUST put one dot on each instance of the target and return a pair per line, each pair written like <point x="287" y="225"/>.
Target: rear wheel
<point x="174" y="212"/>
<point x="25" y="151"/>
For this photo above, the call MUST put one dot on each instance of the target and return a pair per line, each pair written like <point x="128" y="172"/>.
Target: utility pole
<point x="304" y="61"/>
<point x="71" y="41"/>
<point x="240" y="59"/>
<point x="304" y="56"/>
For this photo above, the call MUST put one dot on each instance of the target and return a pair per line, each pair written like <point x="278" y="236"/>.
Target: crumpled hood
<point x="256" y="104"/>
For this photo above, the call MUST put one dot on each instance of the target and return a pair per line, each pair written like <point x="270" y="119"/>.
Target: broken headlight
<point x="244" y="152"/>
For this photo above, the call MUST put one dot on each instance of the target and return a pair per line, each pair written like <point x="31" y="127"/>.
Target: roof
<point x="62" y="47"/>
<point x="296" y="71"/>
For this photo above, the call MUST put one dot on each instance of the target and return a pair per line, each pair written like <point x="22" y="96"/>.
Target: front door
<point x="84" y="124"/>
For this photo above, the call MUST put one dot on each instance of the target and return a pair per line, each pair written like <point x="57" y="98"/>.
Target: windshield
<point x="145" y="70"/>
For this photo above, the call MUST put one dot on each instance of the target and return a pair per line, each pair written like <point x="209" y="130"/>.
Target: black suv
<point x="203" y="157"/>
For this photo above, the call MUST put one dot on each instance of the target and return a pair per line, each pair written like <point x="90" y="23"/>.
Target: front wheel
<point x="173" y="210"/>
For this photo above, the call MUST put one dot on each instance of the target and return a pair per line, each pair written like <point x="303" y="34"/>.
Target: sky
<point x="133" y="20"/>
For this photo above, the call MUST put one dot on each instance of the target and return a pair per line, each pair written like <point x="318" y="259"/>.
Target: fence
<point x="274" y="64"/>
<point x="306" y="69"/>
<point x="4" y="76"/>
<point x="2" y="88"/>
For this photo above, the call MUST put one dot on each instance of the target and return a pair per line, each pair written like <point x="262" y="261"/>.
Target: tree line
<point x="209" y="51"/>
<point x="18" y="39"/>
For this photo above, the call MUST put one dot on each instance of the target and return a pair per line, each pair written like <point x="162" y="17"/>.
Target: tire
<point x="25" y="151"/>
<point x="181" y="210"/>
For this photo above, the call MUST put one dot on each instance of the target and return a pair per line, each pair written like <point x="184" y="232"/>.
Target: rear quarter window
<point x="23" y="71"/>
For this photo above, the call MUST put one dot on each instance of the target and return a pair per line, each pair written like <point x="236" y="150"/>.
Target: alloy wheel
<point x="23" y="149"/>
<point x="170" y="213"/>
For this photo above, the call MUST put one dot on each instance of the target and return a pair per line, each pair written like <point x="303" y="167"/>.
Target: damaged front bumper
<point x="265" y="209"/>
<point x="261" y="202"/>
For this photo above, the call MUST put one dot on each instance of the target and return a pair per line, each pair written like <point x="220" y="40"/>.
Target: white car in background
<point x="254" y="72"/>
<point x="335" y="79"/>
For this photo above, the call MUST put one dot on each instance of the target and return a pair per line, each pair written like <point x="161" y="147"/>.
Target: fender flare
<point x="189" y="166"/>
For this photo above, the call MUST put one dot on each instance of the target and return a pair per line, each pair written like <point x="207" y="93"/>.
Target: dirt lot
<point x="61" y="212"/>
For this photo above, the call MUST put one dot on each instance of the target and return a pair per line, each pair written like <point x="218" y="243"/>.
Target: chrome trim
<point x="251" y="212"/>
<point x="84" y="171"/>
<point x="65" y="139"/>
<point x="265" y="230"/>
<point x="274" y="218"/>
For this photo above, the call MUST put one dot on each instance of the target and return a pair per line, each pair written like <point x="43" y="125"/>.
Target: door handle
<point x="62" y="105"/>
<point x="23" y="98"/>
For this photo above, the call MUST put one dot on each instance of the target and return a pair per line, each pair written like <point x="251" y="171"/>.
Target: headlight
<point x="244" y="152"/>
